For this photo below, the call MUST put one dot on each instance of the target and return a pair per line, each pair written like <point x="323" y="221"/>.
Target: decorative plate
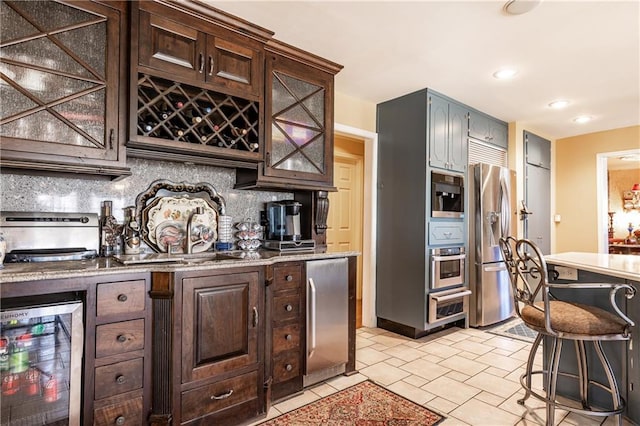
<point x="167" y="219"/>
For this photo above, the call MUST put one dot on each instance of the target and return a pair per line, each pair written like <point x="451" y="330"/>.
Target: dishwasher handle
<point x="312" y="316"/>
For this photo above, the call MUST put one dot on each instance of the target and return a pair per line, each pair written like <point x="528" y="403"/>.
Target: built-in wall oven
<point x="448" y="294"/>
<point x="447" y="267"/>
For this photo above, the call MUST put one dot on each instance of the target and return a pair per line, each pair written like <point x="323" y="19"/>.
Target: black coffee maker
<point x="284" y="220"/>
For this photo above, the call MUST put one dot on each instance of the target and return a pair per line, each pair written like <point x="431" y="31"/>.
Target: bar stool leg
<point x="583" y="373"/>
<point x="613" y="384"/>
<point x="527" y="374"/>
<point x="552" y="379"/>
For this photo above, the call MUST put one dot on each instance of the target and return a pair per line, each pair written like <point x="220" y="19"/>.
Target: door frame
<point x="370" y="140"/>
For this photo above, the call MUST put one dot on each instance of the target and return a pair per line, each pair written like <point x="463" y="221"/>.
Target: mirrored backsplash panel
<point x="68" y="194"/>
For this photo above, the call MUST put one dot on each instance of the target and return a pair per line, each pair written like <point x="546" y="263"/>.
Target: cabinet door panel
<point x="172" y="47"/>
<point x="438" y="131"/>
<point x="219" y="324"/>
<point x="60" y="93"/>
<point x="233" y="65"/>
<point x="227" y="304"/>
<point x="457" y="137"/>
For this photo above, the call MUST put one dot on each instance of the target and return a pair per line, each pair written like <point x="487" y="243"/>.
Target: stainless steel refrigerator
<point x="491" y="215"/>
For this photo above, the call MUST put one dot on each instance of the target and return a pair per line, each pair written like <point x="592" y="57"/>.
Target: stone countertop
<point x="624" y="266"/>
<point x="18" y="272"/>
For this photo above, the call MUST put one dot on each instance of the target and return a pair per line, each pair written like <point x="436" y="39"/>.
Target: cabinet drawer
<point x="117" y="378"/>
<point x="127" y="413"/>
<point x="446" y="233"/>
<point x="286" y="338"/>
<point x="287" y="277"/>
<point x="286" y="366"/>
<point x="218" y="396"/>
<point x="286" y="306"/>
<point x="119" y="337"/>
<point x="120" y="297"/>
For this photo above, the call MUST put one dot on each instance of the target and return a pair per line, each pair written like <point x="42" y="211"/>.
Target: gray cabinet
<point x="447" y="134"/>
<point x="488" y="129"/>
<point x="537" y="150"/>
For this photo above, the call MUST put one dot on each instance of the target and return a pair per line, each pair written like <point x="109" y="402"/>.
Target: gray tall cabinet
<point x="419" y="133"/>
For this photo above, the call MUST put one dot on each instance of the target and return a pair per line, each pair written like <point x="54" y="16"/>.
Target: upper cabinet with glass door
<point x="59" y="87"/>
<point x="299" y="121"/>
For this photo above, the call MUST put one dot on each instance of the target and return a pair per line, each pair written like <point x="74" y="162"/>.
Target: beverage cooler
<point x="41" y="364"/>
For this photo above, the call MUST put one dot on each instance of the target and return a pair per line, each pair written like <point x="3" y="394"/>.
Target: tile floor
<point x="469" y="375"/>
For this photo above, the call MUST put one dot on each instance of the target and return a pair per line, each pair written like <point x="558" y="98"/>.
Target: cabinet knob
<point x="289" y="308"/>
<point x="122" y="298"/>
<point x="120" y="420"/>
<point x="288" y="337"/>
<point x="121" y="380"/>
<point x="289" y="278"/>
<point x="122" y="338"/>
<point x="288" y="367"/>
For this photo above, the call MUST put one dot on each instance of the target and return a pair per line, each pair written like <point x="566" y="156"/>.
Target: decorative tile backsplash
<point x="68" y="194"/>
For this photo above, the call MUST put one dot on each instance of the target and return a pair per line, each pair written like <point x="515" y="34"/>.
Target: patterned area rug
<point x="514" y="329"/>
<point x="363" y="404"/>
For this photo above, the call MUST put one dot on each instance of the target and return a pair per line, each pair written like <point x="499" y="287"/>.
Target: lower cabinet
<point x="122" y="361"/>
<point x="285" y="341"/>
<point x="217" y="349"/>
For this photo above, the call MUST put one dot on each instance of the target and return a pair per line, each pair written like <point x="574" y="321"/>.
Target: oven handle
<point x="452" y="296"/>
<point x="445" y="258"/>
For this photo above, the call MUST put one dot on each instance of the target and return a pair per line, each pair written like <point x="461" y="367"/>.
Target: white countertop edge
<point x="626" y="266"/>
<point x="20" y="272"/>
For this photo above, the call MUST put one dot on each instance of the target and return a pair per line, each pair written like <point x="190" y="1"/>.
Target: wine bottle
<point x="109" y="230"/>
<point x="177" y="104"/>
<point x="193" y="118"/>
<point x="131" y="232"/>
<point x="238" y="132"/>
<point x="177" y="132"/>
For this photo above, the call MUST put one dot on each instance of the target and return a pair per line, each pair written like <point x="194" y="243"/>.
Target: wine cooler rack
<point x="191" y="115"/>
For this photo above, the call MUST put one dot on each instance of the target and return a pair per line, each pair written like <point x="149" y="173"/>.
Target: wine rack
<point x="191" y="115"/>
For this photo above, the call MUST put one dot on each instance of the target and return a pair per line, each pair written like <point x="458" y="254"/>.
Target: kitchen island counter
<point x="19" y="272"/>
<point x="624" y="266"/>
<point x="624" y="357"/>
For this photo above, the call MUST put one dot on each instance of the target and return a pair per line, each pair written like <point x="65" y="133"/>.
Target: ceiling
<point x="585" y="51"/>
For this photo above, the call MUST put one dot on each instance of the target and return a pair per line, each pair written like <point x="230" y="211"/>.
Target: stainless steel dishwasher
<point x="327" y="319"/>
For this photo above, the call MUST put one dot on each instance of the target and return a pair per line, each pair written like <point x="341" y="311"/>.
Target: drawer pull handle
<point x="289" y="278"/>
<point x="255" y="316"/>
<point x="122" y="338"/>
<point x="122" y="298"/>
<point x="120" y="420"/>
<point x="121" y="380"/>
<point x="223" y="396"/>
<point x="289" y="308"/>
<point x="288" y="337"/>
<point x="289" y="367"/>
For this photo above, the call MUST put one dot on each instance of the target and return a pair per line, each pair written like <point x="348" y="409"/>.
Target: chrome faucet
<point x="189" y="244"/>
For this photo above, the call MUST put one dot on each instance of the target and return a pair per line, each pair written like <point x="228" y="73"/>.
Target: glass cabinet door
<point x="298" y="144"/>
<point x="58" y="68"/>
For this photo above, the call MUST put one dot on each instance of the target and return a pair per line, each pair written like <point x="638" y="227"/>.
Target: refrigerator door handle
<point x="495" y="268"/>
<point x="505" y="206"/>
<point x="312" y="316"/>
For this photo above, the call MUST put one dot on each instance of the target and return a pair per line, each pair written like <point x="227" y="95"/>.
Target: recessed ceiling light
<point x="582" y="119"/>
<point x="505" y="73"/>
<point x="560" y="103"/>
<point x="518" y="7"/>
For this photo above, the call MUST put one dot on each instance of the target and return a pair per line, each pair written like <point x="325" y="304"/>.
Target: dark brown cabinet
<point x="299" y="122"/>
<point x="217" y="347"/>
<point x="285" y="341"/>
<point x="62" y="95"/>
<point x="192" y="51"/>
<point x="197" y="86"/>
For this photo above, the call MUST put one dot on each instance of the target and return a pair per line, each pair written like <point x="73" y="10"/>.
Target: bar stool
<point x="564" y="321"/>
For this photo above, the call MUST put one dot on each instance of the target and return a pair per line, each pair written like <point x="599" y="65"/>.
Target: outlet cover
<point x="565" y="273"/>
